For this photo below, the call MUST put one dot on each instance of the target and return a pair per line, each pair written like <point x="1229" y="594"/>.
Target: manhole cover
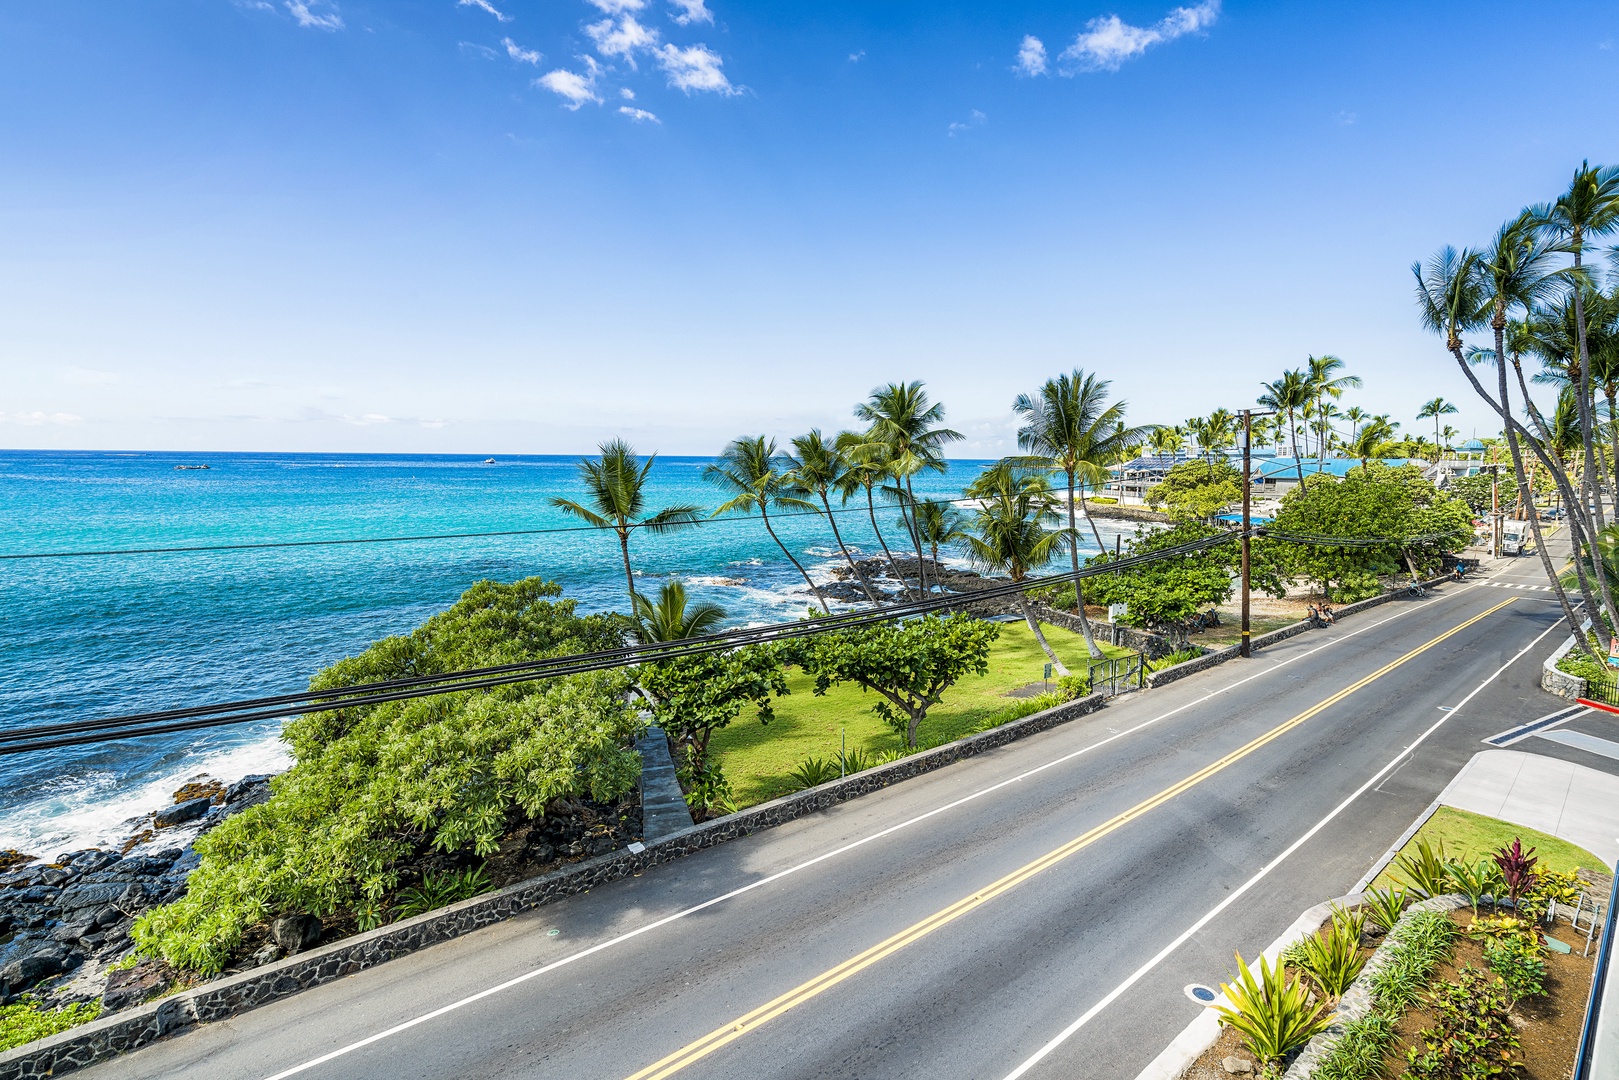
<point x="1200" y="993"/>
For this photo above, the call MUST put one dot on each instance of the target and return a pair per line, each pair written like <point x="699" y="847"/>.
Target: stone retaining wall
<point x="1151" y="645"/>
<point x="1558" y="682"/>
<point x="222" y="998"/>
<point x="1121" y="512"/>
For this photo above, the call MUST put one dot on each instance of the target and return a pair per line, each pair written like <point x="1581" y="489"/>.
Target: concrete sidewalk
<point x="1568" y="801"/>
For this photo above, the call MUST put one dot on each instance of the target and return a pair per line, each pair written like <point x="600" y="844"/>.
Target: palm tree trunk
<point x="765" y="515"/>
<point x="916" y="534"/>
<point x="893" y="567"/>
<point x="629" y="576"/>
<point x="1034" y="625"/>
<point x="1293" y="434"/>
<point x="1611" y="391"/>
<point x="836" y="535"/>
<point x="1079" y="593"/>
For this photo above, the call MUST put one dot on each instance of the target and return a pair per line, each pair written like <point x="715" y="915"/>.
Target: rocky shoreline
<point x="65" y="923"/>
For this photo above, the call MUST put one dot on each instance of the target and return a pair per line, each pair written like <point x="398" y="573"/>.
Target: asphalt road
<point x="1076" y="881"/>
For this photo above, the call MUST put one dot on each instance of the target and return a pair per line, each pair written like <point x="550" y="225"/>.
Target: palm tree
<point x="1213" y="433"/>
<point x="669" y="619"/>
<point x="751" y="469"/>
<point x="940" y="523"/>
<point x="864" y="472"/>
<point x="1356" y="417"/>
<point x="1069" y="427"/>
<point x="819" y="468"/>
<point x="1287" y="395"/>
<point x="1372" y="434"/>
<point x="615" y="485"/>
<point x="1434" y="410"/>
<point x="1167" y="440"/>
<point x="1011" y="535"/>
<point x="907" y="426"/>
<point x="1325" y="383"/>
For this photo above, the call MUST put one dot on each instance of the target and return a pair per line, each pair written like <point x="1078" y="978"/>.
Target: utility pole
<point x="1245" y="649"/>
<point x="1495" y="511"/>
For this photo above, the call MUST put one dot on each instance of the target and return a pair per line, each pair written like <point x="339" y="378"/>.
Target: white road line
<point x="683" y="913"/>
<point x="1142" y="971"/>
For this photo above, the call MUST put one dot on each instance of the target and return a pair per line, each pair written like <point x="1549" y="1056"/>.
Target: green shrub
<point x="441" y="890"/>
<point x="1425" y="939"/>
<point x="1180" y="656"/>
<point x="1073" y="687"/>
<point x="856" y="760"/>
<point x="1384" y="907"/>
<point x="25" y="1021"/>
<point x="1274" y="1014"/>
<point x="374" y="786"/>
<point x="1358" y="1053"/>
<point x="1518" y="961"/>
<point x="1332" y="962"/>
<point x="1425" y="869"/>
<point x="814" y="772"/>
<point x="1472" y="1038"/>
<point x="1477" y="881"/>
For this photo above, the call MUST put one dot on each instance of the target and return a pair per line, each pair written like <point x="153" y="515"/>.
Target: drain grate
<point x="1201" y="994"/>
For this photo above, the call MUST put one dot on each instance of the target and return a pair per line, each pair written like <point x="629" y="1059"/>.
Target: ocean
<point x="112" y="634"/>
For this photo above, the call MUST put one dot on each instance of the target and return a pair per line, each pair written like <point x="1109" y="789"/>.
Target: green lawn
<point x="757" y="758"/>
<point x="1474" y="836"/>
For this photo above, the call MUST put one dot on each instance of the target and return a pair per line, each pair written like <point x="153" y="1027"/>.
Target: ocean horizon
<point x="105" y="635"/>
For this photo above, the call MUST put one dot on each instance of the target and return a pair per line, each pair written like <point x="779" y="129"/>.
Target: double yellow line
<point x="701" y="1048"/>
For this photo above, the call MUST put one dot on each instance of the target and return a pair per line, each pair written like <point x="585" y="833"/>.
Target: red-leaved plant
<point x="1517" y="869"/>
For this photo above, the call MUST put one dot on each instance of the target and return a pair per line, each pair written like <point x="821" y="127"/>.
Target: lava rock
<point x="268" y="953"/>
<point x="180" y="813"/>
<point x="599" y="845"/>
<point x="295" y="933"/>
<point x="1236" y="1065"/>
<point x="41" y="963"/>
<point x="132" y="986"/>
<point x="36" y="894"/>
<point x="248" y="791"/>
<point x="56" y="875"/>
<point x="125" y="895"/>
<point x="107" y="916"/>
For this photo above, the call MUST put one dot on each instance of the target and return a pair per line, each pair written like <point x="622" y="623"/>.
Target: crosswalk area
<point x="1510" y="585"/>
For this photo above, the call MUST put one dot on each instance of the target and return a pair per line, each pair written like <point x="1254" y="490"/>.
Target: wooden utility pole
<point x="1245" y="649"/>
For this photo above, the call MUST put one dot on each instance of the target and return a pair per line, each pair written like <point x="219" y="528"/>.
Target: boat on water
<point x="187" y="468"/>
<point x="488" y="461"/>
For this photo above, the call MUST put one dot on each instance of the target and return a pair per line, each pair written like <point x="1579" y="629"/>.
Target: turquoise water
<point x="87" y="637"/>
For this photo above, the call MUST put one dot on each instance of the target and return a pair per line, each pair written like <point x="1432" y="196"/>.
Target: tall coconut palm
<point x="1287" y="395"/>
<point x="865" y="471"/>
<point x="1325" y="384"/>
<point x="1373" y="433"/>
<point x="1433" y="410"/>
<point x="1069" y="427"/>
<point x="1587" y="210"/>
<point x="1448" y="436"/>
<point x="1356" y="417"/>
<point x="1167" y="440"/>
<point x="1012" y="533"/>
<point x="1214" y="433"/>
<point x="615" y="488"/>
<point x="754" y="473"/>
<point x="910" y="429"/>
<point x="819" y="468"/>
<point x="940" y="522"/>
<point x="670" y="619"/>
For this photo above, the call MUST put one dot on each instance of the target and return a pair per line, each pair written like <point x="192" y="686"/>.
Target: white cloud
<point x="482" y="50"/>
<point x="39" y="419"/>
<point x="856" y="57"/>
<point x="974" y="119"/>
<point x="577" y="88"/>
<point x="626" y="93"/>
<point x="638" y="115"/>
<point x="690" y="11"/>
<point x="623" y="38"/>
<point x="1347" y="118"/>
<point x="306" y="18"/>
<point x="1031" y="56"/>
<point x="254" y="5"/>
<point x="517" y="52"/>
<point x="695" y="68"/>
<point x="484" y="5"/>
<point x="1106" y="43"/>
<point x="618" y="7"/>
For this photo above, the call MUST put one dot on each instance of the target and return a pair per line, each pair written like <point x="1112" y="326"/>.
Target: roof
<point x="1282" y="468"/>
<point x="1472" y="446"/>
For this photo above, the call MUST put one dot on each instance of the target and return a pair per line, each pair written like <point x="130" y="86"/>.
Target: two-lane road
<point x="954" y="925"/>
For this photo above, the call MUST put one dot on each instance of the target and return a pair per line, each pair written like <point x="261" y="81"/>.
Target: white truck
<point x="1514" y="537"/>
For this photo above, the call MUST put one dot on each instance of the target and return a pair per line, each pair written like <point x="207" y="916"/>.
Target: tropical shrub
<point x="1180" y="656"/>
<point x="1358" y="1053"/>
<point x="1472" y="1038"/>
<point x="1425" y="869"/>
<point x="1332" y="961"/>
<point x="373" y="786"/>
<point x="814" y="772"/>
<point x="1517" y="868"/>
<point x="25" y="1021"/>
<point x="1196" y="490"/>
<point x="1475" y="882"/>
<point x="856" y="760"/>
<point x="1519" y="962"/>
<point x="1384" y="907"/>
<point x="1168" y="593"/>
<point x="1550" y="886"/>
<point x="1424" y="940"/>
<point x="1274" y="1014"/>
<point x="908" y="665"/>
<point x="441" y="889"/>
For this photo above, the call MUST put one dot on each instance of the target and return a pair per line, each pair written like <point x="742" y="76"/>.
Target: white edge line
<point x="1142" y="971"/>
<point x="778" y="875"/>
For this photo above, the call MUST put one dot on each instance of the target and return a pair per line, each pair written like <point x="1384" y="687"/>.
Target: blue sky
<point x="524" y="227"/>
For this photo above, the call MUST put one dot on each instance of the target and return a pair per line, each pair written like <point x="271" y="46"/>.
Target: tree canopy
<point x="1197" y="490"/>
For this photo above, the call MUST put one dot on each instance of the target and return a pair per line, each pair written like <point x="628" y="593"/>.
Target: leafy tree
<point x="752" y="471"/>
<point x="616" y="489"/>
<point x="694" y="696"/>
<point x="909" y="665"/>
<point x="1197" y="490"/>
<point x="1473" y="490"/>
<point x="1167" y="593"/>
<point x="374" y="785"/>
<point x="1371" y="440"/>
<point x="1013" y="536"/>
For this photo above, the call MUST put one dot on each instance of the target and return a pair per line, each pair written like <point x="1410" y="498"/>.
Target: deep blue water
<point x="86" y="637"/>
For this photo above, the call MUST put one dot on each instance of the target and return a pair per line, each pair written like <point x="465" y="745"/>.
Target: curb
<point x="1220" y="656"/>
<point x="131" y="1029"/>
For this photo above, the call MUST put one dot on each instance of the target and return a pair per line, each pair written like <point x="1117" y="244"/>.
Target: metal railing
<point x="1117" y="674"/>
<point x="1597" y="1057"/>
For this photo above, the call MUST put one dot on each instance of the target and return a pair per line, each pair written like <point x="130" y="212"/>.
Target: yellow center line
<point x="701" y="1048"/>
